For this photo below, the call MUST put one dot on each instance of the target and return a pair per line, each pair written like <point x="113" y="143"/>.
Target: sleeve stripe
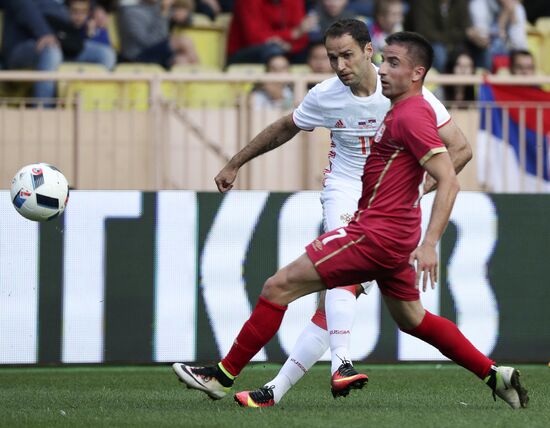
<point x="444" y="123"/>
<point x="431" y="153"/>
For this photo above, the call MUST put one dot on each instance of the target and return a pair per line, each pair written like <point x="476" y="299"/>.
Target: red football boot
<point x="262" y="397"/>
<point x="345" y="379"/>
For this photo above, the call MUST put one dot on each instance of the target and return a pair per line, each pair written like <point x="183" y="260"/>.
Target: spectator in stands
<point x="213" y="8"/>
<point x="445" y="23"/>
<point x="362" y="7"/>
<point x="388" y="19"/>
<point x="38" y="35"/>
<point x="260" y="29"/>
<point x="84" y="19"/>
<point x="144" y="27"/>
<point x="460" y="62"/>
<point x="324" y="14"/>
<point x="317" y="58"/>
<point x="181" y="14"/>
<point x="502" y="23"/>
<point x="522" y="62"/>
<point x="274" y="94"/>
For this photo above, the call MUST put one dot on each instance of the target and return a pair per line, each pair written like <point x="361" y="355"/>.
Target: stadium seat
<point x="544" y="58"/>
<point x="248" y="69"/>
<point x="204" y="94"/>
<point x="135" y="94"/>
<point x="223" y="20"/>
<point x="535" y="40"/>
<point x="543" y="24"/>
<point x="94" y="95"/>
<point x="201" y="20"/>
<point x="209" y="43"/>
<point x="112" y="29"/>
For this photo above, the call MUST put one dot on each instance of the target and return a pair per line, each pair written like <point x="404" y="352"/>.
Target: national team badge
<point x="370" y="124"/>
<point x="379" y="133"/>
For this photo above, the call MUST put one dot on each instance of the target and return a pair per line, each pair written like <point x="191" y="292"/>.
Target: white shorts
<point x="339" y="201"/>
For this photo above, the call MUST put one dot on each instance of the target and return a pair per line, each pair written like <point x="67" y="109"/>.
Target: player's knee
<point x="275" y="289"/>
<point x="408" y="323"/>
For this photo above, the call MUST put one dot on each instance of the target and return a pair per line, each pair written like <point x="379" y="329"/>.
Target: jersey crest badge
<point x="379" y="133"/>
<point x="369" y="124"/>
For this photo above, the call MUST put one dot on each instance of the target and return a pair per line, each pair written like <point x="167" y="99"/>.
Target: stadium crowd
<point x="43" y="34"/>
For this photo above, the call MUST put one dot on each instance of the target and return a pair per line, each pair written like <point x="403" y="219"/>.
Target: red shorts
<point x="348" y="255"/>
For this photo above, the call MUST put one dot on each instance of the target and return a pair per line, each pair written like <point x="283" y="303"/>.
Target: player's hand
<point x="425" y="257"/>
<point x="225" y="178"/>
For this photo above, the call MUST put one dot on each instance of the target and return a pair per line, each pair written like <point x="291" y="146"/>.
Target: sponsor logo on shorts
<point x="317" y="245"/>
<point x="339" y="332"/>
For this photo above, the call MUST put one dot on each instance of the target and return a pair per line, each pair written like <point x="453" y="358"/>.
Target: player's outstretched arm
<point x="441" y="168"/>
<point x="458" y="147"/>
<point x="275" y="135"/>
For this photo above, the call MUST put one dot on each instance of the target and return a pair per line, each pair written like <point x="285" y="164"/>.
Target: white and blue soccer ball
<point x="39" y="192"/>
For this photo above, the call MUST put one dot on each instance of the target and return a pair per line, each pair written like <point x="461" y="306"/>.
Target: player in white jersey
<point x="352" y="106"/>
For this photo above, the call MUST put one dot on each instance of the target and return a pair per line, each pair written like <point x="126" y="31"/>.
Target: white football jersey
<point x="352" y="121"/>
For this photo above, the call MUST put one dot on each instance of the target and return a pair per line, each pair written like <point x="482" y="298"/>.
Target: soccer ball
<point x="39" y="192"/>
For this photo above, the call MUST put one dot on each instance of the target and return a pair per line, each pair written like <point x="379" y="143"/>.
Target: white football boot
<point x="201" y="378"/>
<point x="504" y="381"/>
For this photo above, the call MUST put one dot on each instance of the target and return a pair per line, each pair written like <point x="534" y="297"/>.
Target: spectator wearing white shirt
<point x="502" y="23"/>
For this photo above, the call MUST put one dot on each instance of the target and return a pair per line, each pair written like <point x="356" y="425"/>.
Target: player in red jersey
<point x="381" y="242"/>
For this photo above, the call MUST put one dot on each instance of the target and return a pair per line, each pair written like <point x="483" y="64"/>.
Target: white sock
<point x="310" y="346"/>
<point x="340" y="312"/>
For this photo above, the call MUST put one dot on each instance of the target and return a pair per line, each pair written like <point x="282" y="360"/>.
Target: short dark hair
<point x="419" y="49"/>
<point x="356" y="29"/>
<point x="518" y="52"/>
<point x="271" y="57"/>
<point x="313" y="46"/>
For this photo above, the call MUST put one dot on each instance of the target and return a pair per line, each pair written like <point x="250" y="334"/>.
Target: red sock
<point x="445" y="336"/>
<point x="320" y="319"/>
<point x="262" y="325"/>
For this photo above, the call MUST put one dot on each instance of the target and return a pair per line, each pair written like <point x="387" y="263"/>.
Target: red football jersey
<point x="390" y="203"/>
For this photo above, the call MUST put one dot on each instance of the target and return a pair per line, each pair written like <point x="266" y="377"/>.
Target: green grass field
<point x="404" y="395"/>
